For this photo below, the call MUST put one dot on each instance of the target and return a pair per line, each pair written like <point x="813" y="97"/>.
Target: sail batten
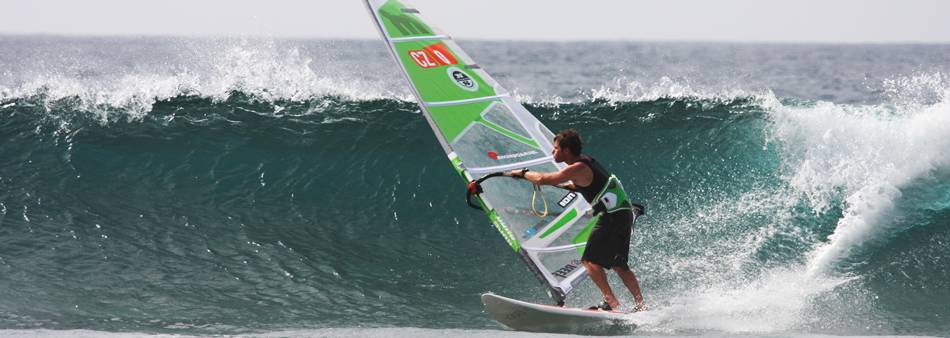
<point x="417" y="38"/>
<point x="458" y="102"/>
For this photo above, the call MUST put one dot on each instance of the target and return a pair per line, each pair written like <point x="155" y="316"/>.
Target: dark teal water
<point x="253" y="187"/>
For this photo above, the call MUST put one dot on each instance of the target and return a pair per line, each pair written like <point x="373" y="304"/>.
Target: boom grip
<point x="475" y="188"/>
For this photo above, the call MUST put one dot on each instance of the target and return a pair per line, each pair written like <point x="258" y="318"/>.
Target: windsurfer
<point x="608" y="246"/>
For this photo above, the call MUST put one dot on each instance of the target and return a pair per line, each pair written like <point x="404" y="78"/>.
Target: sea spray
<point x="861" y="157"/>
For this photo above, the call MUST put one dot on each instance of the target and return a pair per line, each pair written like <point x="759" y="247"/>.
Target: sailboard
<point x="525" y="316"/>
<point x="484" y="130"/>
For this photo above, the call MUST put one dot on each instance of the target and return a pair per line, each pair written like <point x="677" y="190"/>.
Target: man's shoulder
<point x="580" y="166"/>
<point x="586" y="158"/>
<point x="585" y="161"/>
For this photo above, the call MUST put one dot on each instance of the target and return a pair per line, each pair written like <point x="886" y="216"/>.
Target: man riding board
<point x="608" y="246"/>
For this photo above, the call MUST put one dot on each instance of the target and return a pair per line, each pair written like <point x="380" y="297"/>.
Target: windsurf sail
<point x="483" y="130"/>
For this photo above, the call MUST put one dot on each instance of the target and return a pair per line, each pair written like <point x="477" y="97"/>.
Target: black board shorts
<point x="609" y="242"/>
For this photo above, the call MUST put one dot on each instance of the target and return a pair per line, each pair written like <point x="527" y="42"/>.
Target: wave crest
<point x="216" y="70"/>
<point x="862" y="158"/>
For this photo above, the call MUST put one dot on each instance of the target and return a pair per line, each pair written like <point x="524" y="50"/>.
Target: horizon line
<point x="464" y="39"/>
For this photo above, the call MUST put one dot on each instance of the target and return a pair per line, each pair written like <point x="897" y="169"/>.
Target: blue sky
<point x="849" y="21"/>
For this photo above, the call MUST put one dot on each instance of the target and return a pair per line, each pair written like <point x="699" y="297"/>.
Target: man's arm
<point x="569" y="173"/>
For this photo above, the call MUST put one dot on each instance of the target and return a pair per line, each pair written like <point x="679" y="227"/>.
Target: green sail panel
<point x="401" y="21"/>
<point x="438" y="72"/>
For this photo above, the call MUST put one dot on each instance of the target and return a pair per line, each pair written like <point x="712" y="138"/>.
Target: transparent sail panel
<point x="561" y="264"/>
<point x="500" y="116"/>
<point x="577" y="233"/>
<point x="482" y="146"/>
<point x="513" y="204"/>
<point x="546" y="132"/>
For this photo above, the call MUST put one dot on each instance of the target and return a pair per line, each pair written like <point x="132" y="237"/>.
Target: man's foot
<point x="640" y="307"/>
<point x="602" y="306"/>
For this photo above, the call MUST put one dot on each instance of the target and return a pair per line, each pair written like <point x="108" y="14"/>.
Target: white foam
<point x="215" y="70"/>
<point x="274" y="70"/>
<point x="707" y="216"/>
<point x="721" y="286"/>
<point x="861" y="156"/>
<point x="917" y="88"/>
<point x="857" y="157"/>
<point x="625" y="90"/>
<point x="776" y="302"/>
<point x="271" y="73"/>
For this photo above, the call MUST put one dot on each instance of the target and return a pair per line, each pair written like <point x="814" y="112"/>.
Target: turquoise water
<point x="292" y="188"/>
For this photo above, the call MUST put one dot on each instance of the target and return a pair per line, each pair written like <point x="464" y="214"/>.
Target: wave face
<point x="235" y="186"/>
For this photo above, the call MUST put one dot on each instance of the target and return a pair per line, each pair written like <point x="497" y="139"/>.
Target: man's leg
<point x="630" y="280"/>
<point x="597" y="274"/>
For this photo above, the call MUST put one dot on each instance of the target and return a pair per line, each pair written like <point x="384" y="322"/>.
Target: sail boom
<point x="513" y="166"/>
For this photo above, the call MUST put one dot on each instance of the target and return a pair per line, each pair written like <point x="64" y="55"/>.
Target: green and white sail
<point x="483" y="129"/>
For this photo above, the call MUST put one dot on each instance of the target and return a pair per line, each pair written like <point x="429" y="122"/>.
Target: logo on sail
<point x="462" y="79"/>
<point x="567" y="199"/>
<point x="432" y="56"/>
<point x="496" y="157"/>
<point x="566" y="270"/>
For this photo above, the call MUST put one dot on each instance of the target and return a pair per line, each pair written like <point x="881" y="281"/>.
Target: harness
<point x="611" y="197"/>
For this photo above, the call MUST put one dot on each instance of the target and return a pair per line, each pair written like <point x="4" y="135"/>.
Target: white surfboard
<point x="524" y="316"/>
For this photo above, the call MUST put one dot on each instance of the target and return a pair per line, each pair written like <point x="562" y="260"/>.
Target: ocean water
<point x="261" y="187"/>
